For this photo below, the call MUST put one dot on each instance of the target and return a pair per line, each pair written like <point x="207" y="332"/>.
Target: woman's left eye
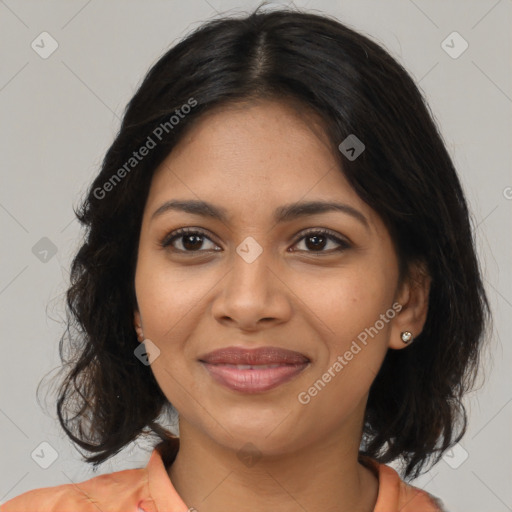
<point x="193" y="241"/>
<point x="319" y="240"/>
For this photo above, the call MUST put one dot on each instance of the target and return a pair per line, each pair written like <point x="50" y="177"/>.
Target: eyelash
<point x="168" y="239"/>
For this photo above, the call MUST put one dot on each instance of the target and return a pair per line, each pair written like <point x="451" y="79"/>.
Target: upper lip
<point x="255" y="356"/>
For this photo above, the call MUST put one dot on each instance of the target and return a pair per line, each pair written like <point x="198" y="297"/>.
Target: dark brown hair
<point x="405" y="174"/>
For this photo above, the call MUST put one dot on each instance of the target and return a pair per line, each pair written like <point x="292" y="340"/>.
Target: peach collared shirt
<point x="149" y="489"/>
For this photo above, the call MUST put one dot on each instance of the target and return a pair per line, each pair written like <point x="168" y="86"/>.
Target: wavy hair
<point x="414" y="410"/>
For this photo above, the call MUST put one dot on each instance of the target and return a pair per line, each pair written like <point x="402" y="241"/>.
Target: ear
<point x="138" y="325"/>
<point x="412" y="295"/>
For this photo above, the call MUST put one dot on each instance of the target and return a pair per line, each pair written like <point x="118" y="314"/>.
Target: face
<point x="317" y="283"/>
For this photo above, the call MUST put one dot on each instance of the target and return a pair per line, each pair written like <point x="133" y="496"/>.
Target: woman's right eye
<point x="187" y="240"/>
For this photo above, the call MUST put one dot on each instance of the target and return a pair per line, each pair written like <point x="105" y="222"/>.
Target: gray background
<point x="60" y="114"/>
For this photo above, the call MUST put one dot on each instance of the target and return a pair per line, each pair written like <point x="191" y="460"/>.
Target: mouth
<point x="253" y="370"/>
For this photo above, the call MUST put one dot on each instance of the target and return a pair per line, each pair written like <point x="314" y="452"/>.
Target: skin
<point x="250" y="159"/>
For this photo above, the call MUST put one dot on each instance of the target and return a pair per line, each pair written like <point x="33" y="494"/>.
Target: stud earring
<point x="406" y="337"/>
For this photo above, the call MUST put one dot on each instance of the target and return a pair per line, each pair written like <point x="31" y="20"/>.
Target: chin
<point x="267" y="438"/>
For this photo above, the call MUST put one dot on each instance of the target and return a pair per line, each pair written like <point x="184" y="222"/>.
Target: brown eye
<point x="317" y="241"/>
<point x="192" y="242"/>
<point x="187" y="240"/>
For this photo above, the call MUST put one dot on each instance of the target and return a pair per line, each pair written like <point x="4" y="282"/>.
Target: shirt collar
<point x="165" y="497"/>
<point x="161" y="490"/>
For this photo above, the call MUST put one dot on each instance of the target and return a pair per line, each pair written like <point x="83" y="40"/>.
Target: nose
<point x="253" y="295"/>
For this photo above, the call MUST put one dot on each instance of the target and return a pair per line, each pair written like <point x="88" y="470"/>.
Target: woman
<point x="277" y="244"/>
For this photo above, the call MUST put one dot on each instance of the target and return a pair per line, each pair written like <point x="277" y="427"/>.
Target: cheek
<point x="169" y="303"/>
<point x="169" y="297"/>
<point x="354" y="345"/>
<point x="347" y="302"/>
<point x="349" y="306"/>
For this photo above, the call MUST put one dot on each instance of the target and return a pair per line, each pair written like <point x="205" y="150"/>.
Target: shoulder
<point x="121" y="490"/>
<point x="414" y="499"/>
<point x="396" y="495"/>
<point x="411" y="498"/>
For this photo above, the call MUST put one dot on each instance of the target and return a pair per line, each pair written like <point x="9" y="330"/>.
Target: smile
<point x="253" y="378"/>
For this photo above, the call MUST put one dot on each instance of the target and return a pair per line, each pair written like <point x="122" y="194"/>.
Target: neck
<point x="325" y="475"/>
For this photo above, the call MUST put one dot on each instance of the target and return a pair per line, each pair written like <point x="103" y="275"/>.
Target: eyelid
<point x="333" y="235"/>
<point x="176" y="233"/>
<point x="341" y="240"/>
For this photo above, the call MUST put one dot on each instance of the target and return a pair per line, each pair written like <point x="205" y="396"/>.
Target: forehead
<point x="253" y="157"/>
<point x="265" y="128"/>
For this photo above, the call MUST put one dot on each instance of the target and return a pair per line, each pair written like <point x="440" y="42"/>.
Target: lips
<point x="255" y="356"/>
<point x="253" y="370"/>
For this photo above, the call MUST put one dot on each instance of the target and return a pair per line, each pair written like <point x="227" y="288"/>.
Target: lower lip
<point x="253" y="381"/>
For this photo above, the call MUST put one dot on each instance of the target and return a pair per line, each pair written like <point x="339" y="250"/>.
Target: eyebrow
<point x="283" y="213"/>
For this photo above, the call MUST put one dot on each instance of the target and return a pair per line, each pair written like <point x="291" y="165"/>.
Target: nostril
<point x="139" y="507"/>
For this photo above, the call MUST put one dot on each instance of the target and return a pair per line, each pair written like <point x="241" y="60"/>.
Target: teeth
<point x="254" y="367"/>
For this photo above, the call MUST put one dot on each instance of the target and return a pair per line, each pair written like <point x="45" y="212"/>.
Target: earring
<point x="406" y="337"/>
